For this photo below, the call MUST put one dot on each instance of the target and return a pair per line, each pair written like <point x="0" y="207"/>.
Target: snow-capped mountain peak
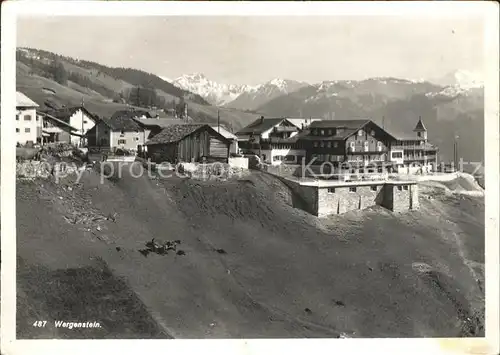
<point x="223" y="94"/>
<point x="464" y="79"/>
<point x="213" y="92"/>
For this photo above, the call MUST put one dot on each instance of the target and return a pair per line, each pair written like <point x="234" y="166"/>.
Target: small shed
<point x="188" y="143"/>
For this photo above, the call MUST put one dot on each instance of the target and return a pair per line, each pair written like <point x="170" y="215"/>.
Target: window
<point x="329" y="132"/>
<point x="329" y="144"/>
<point x="360" y="133"/>
<point x="361" y="171"/>
<point x="27" y="117"/>
<point x="322" y="144"/>
<point x="405" y="187"/>
<point x="17" y="130"/>
<point x="85" y="121"/>
<point x="366" y="146"/>
<point x="106" y="131"/>
<point x="397" y="155"/>
<point x="289" y="157"/>
<point x="122" y="133"/>
<point x="122" y="141"/>
<point x="17" y="117"/>
<point x="419" y="134"/>
<point x="315" y="144"/>
<point x="335" y="144"/>
<point x="331" y="190"/>
<point x="313" y="132"/>
<point x="352" y="189"/>
<point x="27" y="130"/>
<point x="37" y="118"/>
<point x="322" y="132"/>
<point x="372" y="133"/>
<point x="400" y="187"/>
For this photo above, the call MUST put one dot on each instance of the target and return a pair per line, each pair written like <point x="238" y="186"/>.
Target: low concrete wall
<point x="304" y="197"/>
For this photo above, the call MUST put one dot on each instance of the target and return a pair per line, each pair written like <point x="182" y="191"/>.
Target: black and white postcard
<point x="273" y="177"/>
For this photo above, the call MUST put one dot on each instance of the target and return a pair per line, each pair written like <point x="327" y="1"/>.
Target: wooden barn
<point x="188" y="143"/>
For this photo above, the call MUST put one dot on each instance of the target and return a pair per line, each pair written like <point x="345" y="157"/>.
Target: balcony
<point x="366" y="152"/>
<point x="415" y="147"/>
<point x="420" y="158"/>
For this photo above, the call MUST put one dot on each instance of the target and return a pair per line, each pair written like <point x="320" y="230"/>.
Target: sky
<point x="252" y="50"/>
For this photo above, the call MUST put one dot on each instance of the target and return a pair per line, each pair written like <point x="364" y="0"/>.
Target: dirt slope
<point x="279" y="272"/>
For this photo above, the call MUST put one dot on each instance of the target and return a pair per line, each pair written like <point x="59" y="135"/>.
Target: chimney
<point x="261" y="119"/>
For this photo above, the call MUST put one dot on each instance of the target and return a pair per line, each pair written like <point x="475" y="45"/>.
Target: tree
<point x="59" y="73"/>
<point x="180" y="107"/>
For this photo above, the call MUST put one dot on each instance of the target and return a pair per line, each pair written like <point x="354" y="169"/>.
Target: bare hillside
<point x="252" y="266"/>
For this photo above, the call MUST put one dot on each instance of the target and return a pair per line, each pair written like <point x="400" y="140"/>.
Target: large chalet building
<point x="275" y="140"/>
<point x="356" y="145"/>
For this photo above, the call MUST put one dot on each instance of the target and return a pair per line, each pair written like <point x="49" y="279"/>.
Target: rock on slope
<point x="253" y="265"/>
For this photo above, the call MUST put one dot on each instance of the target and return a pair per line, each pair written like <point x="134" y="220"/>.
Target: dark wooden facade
<point x="201" y="145"/>
<point x="369" y="143"/>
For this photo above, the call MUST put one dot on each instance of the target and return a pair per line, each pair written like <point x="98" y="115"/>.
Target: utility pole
<point x="81" y="138"/>
<point x="218" y="121"/>
<point x="455" y="152"/>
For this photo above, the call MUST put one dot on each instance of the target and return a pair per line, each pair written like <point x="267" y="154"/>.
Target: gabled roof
<point x="177" y="132"/>
<point x="260" y="125"/>
<point x="24" y="101"/>
<point x="65" y="113"/>
<point x="224" y="132"/>
<point x="158" y="122"/>
<point x="420" y="126"/>
<point x="121" y="123"/>
<point x="349" y="127"/>
<point x="57" y="121"/>
<point x="297" y="122"/>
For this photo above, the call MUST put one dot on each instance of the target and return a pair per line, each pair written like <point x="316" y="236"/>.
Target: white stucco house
<point x="26" y="119"/>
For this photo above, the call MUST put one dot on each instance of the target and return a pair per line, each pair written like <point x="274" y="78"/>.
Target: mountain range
<point x="450" y="106"/>
<point x="246" y="97"/>
<point x="251" y="97"/>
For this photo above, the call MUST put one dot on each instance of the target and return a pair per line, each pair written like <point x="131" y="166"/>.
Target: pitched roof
<point x="297" y="122"/>
<point x="158" y="122"/>
<point x="420" y="126"/>
<point x="24" y="101"/>
<point x="174" y="133"/>
<point x="121" y="123"/>
<point x="260" y="125"/>
<point x="224" y="132"/>
<point x="348" y="127"/>
<point x="57" y="121"/>
<point x="65" y="113"/>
